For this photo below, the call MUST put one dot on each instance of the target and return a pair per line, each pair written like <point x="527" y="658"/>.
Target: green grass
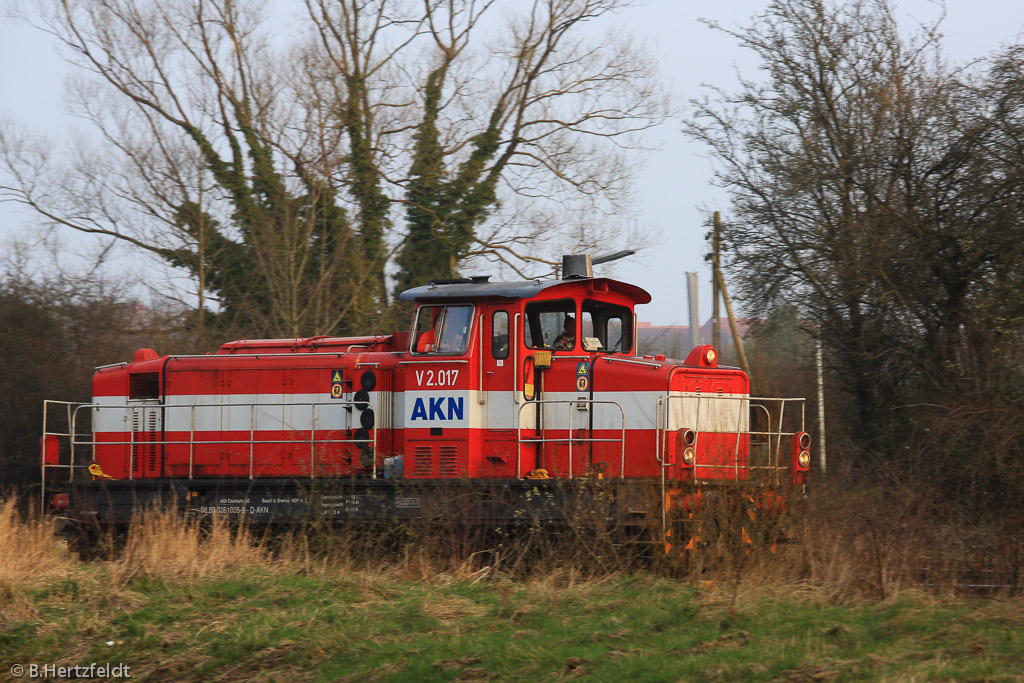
<point x="274" y="625"/>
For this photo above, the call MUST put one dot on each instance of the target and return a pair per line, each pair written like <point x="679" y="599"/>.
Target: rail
<point x="579" y="405"/>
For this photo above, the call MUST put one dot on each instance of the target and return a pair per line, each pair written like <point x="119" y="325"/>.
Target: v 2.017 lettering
<point x="438" y="378"/>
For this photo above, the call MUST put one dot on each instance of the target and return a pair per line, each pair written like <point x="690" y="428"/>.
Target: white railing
<point x="668" y="422"/>
<point x="73" y="437"/>
<point x="746" y="409"/>
<point x="67" y="407"/>
<point x="578" y="405"/>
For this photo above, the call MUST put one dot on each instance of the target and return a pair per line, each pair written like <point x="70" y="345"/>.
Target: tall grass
<point x="171" y="546"/>
<point x="850" y="545"/>
<point x="31" y="554"/>
<point x="875" y="543"/>
<point x="157" y="545"/>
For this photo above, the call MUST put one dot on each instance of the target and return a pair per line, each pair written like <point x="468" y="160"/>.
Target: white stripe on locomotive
<point x="417" y="409"/>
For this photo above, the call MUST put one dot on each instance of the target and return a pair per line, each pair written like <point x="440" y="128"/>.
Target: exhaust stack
<point x="576" y="266"/>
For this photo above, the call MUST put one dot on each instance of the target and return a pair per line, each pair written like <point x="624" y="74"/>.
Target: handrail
<point x="424" y="362"/>
<point x="570" y="404"/>
<point x="775" y="433"/>
<point x="312" y="444"/>
<point x="192" y="442"/>
<point x="515" y="360"/>
<point x="378" y="424"/>
<point x="696" y="438"/>
<point x="43" y="465"/>
<point x="778" y="439"/>
<point x="481" y="397"/>
<point x="616" y="359"/>
<point x="252" y="439"/>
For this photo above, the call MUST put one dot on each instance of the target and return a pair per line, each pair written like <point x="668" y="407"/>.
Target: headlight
<point x="689" y="456"/>
<point x="804" y="458"/>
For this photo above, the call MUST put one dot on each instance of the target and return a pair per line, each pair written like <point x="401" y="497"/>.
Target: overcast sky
<point x="674" y="186"/>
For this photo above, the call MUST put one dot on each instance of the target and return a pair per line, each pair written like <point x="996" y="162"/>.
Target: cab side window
<point x="499" y="335"/>
<point x="611" y="324"/>
<point x="551" y="325"/>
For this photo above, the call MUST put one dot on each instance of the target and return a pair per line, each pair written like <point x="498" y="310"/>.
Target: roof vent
<point x="479" y="279"/>
<point x="449" y="281"/>
<point x="576" y="266"/>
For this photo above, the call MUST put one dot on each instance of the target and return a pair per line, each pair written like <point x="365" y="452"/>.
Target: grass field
<point x="328" y="626"/>
<point x="177" y="604"/>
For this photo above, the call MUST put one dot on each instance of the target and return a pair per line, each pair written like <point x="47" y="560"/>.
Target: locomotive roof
<point x="526" y="289"/>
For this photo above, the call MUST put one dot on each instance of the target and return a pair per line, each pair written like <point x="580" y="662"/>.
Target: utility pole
<point x="716" y="246"/>
<point x="740" y="351"/>
<point x="718" y="291"/>
<point x="821" y="402"/>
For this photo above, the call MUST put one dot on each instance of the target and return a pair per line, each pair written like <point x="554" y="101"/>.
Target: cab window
<point x="499" y="335"/>
<point x="611" y="324"/>
<point x="551" y="325"/>
<point x="442" y="330"/>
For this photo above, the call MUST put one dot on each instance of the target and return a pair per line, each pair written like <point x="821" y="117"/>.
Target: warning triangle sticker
<point x="336" y="377"/>
<point x="581" y="369"/>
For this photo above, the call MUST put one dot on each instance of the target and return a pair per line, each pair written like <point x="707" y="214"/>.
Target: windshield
<point x="442" y="329"/>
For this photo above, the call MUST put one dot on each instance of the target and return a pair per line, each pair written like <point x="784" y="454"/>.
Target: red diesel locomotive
<point x="503" y="387"/>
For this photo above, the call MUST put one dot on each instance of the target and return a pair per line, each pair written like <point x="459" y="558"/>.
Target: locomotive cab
<point x="492" y="368"/>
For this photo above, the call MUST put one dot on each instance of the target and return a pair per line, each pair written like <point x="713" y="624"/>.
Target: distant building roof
<point x="674" y="340"/>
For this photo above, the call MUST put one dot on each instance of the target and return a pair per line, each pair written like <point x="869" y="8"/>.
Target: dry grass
<point x="157" y="545"/>
<point x="877" y="544"/>
<point x="169" y="546"/>
<point x="30" y="554"/>
<point x="852" y="546"/>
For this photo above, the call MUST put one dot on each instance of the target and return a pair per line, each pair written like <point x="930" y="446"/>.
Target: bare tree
<point x="822" y="159"/>
<point x="275" y="175"/>
<point x="58" y="321"/>
<point x="542" y="113"/>
<point x="880" y="193"/>
<point x="188" y="161"/>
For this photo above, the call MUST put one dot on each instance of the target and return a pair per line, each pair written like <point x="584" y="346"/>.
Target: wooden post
<point x="732" y="324"/>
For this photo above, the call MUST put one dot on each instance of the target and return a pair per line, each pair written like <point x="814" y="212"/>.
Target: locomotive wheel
<point x="683" y="538"/>
<point x="82" y="542"/>
<point x="716" y="536"/>
<point x="773" y="523"/>
<point x="765" y="530"/>
<point x="682" y="543"/>
<point x="87" y="540"/>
